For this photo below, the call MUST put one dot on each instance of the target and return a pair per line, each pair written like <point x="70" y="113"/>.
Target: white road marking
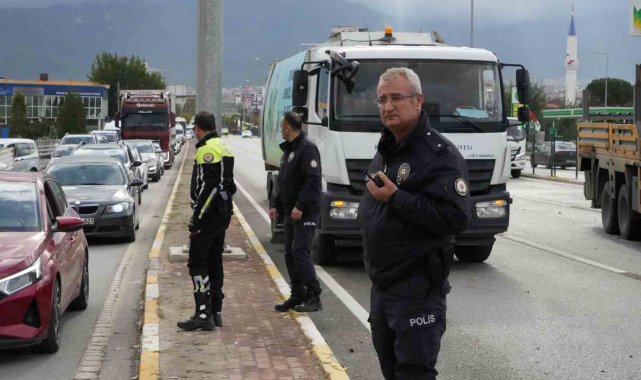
<point x="352" y="305"/>
<point x="565" y="254"/>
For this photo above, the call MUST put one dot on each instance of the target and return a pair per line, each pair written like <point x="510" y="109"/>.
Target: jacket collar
<point x="387" y="145"/>
<point x="287" y="145"/>
<point x="211" y="135"/>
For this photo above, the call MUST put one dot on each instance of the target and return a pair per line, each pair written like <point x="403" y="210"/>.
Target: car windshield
<point x="459" y="96"/>
<point x="142" y="147"/>
<point x="76" y="139"/>
<point x="110" y="137"/>
<point x="18" y="207"/>
<point x="79" y="174"/>
<point x="114" y="153"/>
<point x="63" y="151"/>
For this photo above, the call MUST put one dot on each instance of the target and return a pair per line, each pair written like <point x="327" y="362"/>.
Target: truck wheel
<point x="516" y="173"/>
<point x="629" y="223"/>
<point x="324" y="250"/>
<point x="473" y="253"/>
<point x="609" y="216"/>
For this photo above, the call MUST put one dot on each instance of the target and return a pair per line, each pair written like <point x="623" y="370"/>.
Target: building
<point x="571" y="64"/>
<point x="43" y="98"/>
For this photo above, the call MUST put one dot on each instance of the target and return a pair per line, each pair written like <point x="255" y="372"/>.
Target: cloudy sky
<point x="531" y="32"/>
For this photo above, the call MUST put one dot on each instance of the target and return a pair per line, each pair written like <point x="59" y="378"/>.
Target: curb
<point x="331" y="366"/>
<point x="149" y="368"/>
<point x="554" y="179"/>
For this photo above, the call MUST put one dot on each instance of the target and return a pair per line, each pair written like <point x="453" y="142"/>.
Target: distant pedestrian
<point x="212" y="187"/>
<point x="409" y="221"/>
<point x="298" y="196"/>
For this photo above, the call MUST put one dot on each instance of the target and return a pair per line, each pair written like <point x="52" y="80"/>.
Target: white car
<point x="246" y="133"/>
<point x="26" y="156"/>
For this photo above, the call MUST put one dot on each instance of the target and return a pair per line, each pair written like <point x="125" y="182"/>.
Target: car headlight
<point x="492" y="209"/>
<point x="118" y="207"/>
<point x="520" y="156"/>
<point x="343" y="210"/>
<point x="22" y="279"/>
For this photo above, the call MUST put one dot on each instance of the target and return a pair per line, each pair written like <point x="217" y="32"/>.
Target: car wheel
<point x="51" y="343"/>
<point x="516" y="173"/>
<point x="609" y="217"/>
<point x="137" y="219"/>
<point x="629" y="223"/>
<point x="82" y="301"/>
<point x="131" y="229"/>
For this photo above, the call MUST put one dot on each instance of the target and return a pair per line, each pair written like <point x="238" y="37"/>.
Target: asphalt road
<point x="104" y="258"/>
<point x="558" y="298"/>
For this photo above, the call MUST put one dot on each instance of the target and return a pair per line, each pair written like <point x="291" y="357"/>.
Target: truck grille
<point x="355" y="169"/>
<point x="479" y="172"/>
<point x="480" y="175"/>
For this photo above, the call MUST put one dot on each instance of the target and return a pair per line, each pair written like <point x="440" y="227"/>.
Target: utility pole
<point x="210" y="58"/>
<point x="472" y="24"/>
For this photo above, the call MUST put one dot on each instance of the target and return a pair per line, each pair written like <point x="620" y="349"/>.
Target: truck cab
<point x="333" y="85"/>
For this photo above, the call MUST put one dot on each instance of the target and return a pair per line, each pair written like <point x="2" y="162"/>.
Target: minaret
<point x="571" y="64"/>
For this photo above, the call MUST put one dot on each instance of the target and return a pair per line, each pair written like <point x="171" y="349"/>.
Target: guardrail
<point x="6" y="159"/>
<point x="46" y="147"/>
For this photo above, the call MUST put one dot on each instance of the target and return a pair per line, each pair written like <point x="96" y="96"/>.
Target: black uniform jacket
<point x="429" y="208"/>
<point x="212" y="177"/>
<point x="299" y="178"/>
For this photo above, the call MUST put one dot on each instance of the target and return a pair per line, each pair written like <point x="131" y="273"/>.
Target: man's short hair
<point x="294" y="120"/>
<point x="409" y="74"/>
<point x="205" y="121"/>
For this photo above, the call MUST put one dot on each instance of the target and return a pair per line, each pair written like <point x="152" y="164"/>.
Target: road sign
<point x="635" y="17"/>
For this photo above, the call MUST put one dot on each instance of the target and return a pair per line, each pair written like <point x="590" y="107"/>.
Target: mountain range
<point x="62" y="37"/>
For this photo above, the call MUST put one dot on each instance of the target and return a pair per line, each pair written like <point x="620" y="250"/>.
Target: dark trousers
<point x="299" y="235"/>
<point x="408" y="322"/>
<point x="206" y="255"/>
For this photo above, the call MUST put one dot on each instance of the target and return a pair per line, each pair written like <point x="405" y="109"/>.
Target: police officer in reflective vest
<point x="409" y="215"/>
<point x="298" y="196"/>
<point x="212" y="187"/>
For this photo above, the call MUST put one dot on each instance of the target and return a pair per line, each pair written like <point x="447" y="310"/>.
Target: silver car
<point x="26" y="156"/>
<point x="149" y="157"/>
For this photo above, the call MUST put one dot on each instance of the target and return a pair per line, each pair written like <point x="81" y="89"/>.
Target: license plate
<point x="89" y="221"/>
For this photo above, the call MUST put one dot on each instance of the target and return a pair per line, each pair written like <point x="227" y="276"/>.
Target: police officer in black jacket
<point x="298" y="196"/>
<point x="409" y="216"/>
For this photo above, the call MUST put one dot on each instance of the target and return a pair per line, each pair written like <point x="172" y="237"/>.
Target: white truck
<point x="334" y="85"/>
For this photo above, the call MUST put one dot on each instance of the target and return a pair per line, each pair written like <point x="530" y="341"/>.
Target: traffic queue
<point x="92" y="186"/>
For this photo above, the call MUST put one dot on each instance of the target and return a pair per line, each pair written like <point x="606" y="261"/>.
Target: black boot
<point x="297" y="296"/>
<point x="312" y="303"/>
<point x="202" y="318"/>
<point x="218" y="319"/>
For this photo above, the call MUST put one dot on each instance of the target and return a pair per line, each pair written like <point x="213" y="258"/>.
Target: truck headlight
<point x="343" y="210"/>
<point x="492" y="209"/>
<point x="22" y="279"/>
<point x="118" y="207"/>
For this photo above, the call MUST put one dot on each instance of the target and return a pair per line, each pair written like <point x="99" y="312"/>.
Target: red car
<point x="43" y="261"/>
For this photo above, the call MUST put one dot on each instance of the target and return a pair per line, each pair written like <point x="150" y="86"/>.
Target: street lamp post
<point x="471" y="23"/>
<point x="606" y="78"/>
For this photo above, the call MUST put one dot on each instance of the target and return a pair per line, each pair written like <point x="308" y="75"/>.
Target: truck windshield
<point x="146" y="121"/>
<point x="459" y="96"/>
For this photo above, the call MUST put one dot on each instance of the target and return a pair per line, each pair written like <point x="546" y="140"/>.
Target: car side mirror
<point x="68" y="224"/>
<point x="136" y="163"/>
<point x="136" y="182"/>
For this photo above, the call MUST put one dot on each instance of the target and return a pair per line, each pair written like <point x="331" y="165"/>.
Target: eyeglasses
<point x="393" y="100"/>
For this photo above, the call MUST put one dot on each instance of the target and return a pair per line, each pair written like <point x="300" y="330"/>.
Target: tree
<point x="620" y="92"/>
<point x="71" y="116"/>
<point x="130" y="72"/>
<point x="18" y="123"/>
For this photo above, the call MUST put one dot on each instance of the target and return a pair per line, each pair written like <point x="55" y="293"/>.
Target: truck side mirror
<point x="524" y="114"/>
<point x="299" y="88"/>
<point x="523" y="86"/>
